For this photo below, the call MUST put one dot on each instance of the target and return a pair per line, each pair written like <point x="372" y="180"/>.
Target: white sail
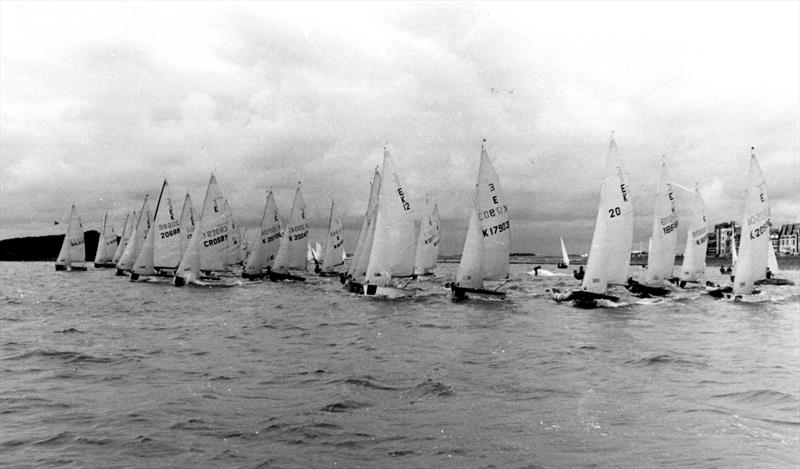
<point x="294" y="242"/>
<point x="138" y="236"/>
<point x="470" y="268"/>
<point x="106" y="244"/>
<point x="73" y="248"/>
<point x="564" y="255"/>
<point x="235" y="247"/>
<point x="772" y="259"/>
<point x="144" y="261"/>
<point x="167" y="232"/>
<point x="264" y="249"/>
<point x="334" y="244"/>
<point x="610" y="253"/>
<point x="756" y="223"/>
<point x="428" y="241"/>
<point x="187" y="223"/>
<point x="734" y="256"/>
<point x="392" y="253"/>
<point x="694" y="256"/>
<point x="360" y="259"/>
<point x="127" y="227"/>
<point x="661" y="257"/>
<point x="486" y="258"/>
<point x="208" y="248"/>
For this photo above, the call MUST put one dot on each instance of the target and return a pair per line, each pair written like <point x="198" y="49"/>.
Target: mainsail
<point x="138" y="236"/>
<point x="486" y="248"/>
<point x="266" y="245"/>
<point x="187" y="223"/>
<point x="106" y="245"/>
<point x="564" y="255"/>
<point x="208" y="247"/>
<point x="694" y="256"/>
<point x="360" y="259"/>
<point x="127" y="227"/>
<point x="661" y="257"/>
<point x="334" y="244"/>
<point x="392" y="253"/>
<point x="428" y="241"/>
<point x="73" y="248"/>
<point x="756" y="223"/>
<point x="294" y="242"/>
<point x="610" y="253"/>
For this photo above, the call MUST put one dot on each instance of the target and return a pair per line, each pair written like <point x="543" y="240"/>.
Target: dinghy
<point x="127" y="227"/>
<point x="485" y="255"/>
<point x="209" y="246"/>
<point x="564" y="264"/>
<point x="294" y="243"/>
<point x="391" y="256"/>
<point x="136" y="241"/>
<point x="73" y="249"/>
<point x="106" y="245"/>
<point x="610" y="252"/>
<point x="187" y="223"/>
<point x="353" y="280"/>
<point x="694" y="255"/>
<point x="262" y="254"/>
<point x="331" y="255"/>
<point x="661" y="254"/>
<point x="161" y="252"/>
<point x="751" y="264"/>
<point x="428" y="240"/>
<point x="773" y="270"/>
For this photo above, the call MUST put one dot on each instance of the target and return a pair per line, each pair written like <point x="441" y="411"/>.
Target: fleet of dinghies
<point x="397" y="243"/>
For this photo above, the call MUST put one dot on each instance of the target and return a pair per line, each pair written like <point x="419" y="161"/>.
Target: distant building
<point x="775" y="239"/>
<point x="789" y="239"/>
<point x="725" y="234"/>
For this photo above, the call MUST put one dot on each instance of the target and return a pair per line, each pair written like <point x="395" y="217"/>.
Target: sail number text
<point x="496" y="229"/>
<point x="406" y="205"/>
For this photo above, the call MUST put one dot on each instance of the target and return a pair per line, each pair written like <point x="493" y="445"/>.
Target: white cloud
<point x="108" y="99"/>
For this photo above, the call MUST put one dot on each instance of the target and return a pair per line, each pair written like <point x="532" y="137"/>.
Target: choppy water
<point x="96" y="371"/>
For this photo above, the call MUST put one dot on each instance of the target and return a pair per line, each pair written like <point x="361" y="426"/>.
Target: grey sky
<point x="101" y="101"/>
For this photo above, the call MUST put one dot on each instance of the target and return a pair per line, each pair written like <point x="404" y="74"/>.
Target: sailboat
<point x="73" y="250"/>
<point x="331" y="255"/>
<point x="127" y="227"/>
<point x="263" y="252"/>
<point x="486" y="247"/>
<point x="294" y="243"/>
<point x="393" y="244"/>
<point x="564" y="264"/>
<point x="751" y="263"/>
<point x="694" y="255"/>
<point x="106" y="245"/>
<point x="187" y="223"/>
<point x="136" y="241"/>
<point x="773" y="269"/>
<point x="161" y="252"/>
<point x="663" y="242"/>
<point x="610" y="253"/>
<point x="356" y="274"/>
<point x="428" y="240"/>
<point x="209" y="246"/>
<point x="235" y="251"/>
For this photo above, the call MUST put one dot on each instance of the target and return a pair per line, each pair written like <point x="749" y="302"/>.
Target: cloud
<point x="266" y="96"/>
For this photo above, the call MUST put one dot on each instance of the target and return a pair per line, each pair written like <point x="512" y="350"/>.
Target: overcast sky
<point x="101" y="101"/>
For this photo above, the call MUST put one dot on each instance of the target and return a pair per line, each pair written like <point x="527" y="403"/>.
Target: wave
<point x="68" y="357"/>
<point x="759" y="396"/>
<point x="344" y="406"/>
<point x="666" y="359"/>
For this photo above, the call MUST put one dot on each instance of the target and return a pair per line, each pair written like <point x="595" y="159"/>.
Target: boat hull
<point x="462" y="293"/>
<point x="275" y="277"/>
<point x="386" y="291"/>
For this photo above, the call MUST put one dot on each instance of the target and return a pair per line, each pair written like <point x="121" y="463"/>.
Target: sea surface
<point x="98" y="371"/>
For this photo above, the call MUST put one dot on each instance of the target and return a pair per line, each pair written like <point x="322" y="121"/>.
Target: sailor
<point x="558" y="296"/>
<point x="769" y="273"/>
